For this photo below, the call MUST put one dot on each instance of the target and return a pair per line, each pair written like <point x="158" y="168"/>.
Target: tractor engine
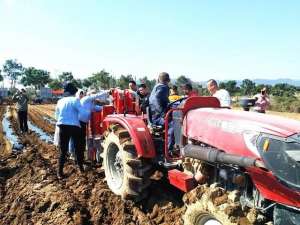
<point x="256" y="155"/>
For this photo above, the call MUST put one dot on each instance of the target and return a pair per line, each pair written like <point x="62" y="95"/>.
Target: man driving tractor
<point x="159" y="99"/>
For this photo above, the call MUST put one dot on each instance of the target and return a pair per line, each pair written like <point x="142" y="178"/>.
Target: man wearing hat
<point x="66" y="113"/>
<point x="22" y="106"/>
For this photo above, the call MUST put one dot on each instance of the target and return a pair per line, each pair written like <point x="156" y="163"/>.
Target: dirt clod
<point x="30" y="192"/>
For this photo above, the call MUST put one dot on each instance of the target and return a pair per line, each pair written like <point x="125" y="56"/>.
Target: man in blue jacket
<point x="159" y="99"/>
<point x="67" y="116"/>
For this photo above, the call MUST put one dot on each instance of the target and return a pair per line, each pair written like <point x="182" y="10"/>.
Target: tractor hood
<point x="226" y="129"/>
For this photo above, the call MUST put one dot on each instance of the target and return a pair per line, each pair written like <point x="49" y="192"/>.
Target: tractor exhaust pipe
<point x="215" y="155"/>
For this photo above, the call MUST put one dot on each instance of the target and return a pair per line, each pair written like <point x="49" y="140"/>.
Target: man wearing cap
<point x="66" y="113"/>
<point x="159" y="99"/>
<point x="22" y="107"/>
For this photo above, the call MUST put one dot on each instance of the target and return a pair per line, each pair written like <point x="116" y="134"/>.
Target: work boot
<point x="81" y="168"/>
<point x="60" y="174"/>
<point x="175" y="151"/>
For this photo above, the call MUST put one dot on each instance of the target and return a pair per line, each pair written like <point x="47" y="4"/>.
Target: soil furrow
<point x="34" y="195"/>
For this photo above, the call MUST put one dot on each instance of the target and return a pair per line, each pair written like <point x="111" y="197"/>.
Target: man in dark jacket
<point x="22" y="108"/>
<point x="159" y="99"/>
<point x="143" y="97"/>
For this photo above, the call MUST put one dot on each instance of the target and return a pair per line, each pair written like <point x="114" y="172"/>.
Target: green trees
<point x="101" y="79"/>
<point x="55" y="84"/>
<point x="230" y="86"/>
<point x="284" y="97"/>
<point x="123" y="81"/>
<point x="248" y="87"/>
<point x="66" y="77"/>
<point x="149" y="83"/>
<point x="63" y="78"/>
<point x="13" y="71"/>
<point x="283" y="90"/>
<point x="181" y="80"/>
<point x="1" y="77"/>
<point x="35" y="77"/>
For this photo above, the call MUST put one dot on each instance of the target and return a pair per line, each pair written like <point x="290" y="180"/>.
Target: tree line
<point x="37" y="78"/>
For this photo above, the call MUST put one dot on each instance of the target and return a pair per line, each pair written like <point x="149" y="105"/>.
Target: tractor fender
<point x="138" y="131"/>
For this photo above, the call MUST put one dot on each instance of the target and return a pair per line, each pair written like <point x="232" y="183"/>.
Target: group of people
<point x="162" y="98"/>
<point x="162" y="95"/>
<point x="72" y="114"/>
<point x="73" y="111"/>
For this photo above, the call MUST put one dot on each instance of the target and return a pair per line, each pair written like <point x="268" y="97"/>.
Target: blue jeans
<point x="171" y="138"/>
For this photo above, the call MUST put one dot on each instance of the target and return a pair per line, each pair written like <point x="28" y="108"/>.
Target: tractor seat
<point x="153" y="127"/>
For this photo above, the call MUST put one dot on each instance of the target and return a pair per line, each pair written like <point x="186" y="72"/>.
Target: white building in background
<point x="45" y="92"/>
<point x="3" y="92"/>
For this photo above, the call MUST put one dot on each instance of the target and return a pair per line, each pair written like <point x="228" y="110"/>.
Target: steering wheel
<point x="176" y="102"/>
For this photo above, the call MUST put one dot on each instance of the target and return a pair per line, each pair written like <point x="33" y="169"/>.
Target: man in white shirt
<point x="221" y="94"/>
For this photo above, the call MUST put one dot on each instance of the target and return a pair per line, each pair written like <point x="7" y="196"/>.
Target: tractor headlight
<point x="250" y="138"/>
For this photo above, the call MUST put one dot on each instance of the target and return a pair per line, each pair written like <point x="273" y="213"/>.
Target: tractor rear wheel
<point x="126" y="174"/>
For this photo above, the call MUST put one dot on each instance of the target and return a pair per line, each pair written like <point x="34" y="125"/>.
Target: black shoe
<point x="60" y="175"/>
<point x="81" y="169"/>
<point x="174" y="153"/>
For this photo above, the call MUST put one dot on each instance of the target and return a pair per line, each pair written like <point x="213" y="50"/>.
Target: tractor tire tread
<point x="137" y="171"/>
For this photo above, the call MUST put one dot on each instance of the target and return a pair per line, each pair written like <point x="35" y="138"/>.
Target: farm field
<point x="30" y="192"/>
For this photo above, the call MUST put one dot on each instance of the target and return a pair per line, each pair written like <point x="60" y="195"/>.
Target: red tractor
<point x="253" y="157"/>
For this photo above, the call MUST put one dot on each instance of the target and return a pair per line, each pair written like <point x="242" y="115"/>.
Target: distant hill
<point x="265" y="81"/>
<point x="277" y="81"/>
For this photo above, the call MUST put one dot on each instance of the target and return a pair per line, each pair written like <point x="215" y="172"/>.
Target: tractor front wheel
<point x="195" y="216"/>
<point x="126" y="174"/>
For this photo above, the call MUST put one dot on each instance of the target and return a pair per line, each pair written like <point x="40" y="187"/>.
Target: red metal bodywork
<point x="124" y="111"/>
<point x="224" y="129"/>
<point x="138" y="131"/>
<point x="205" y="121"/>
<point x="271" y="189"/>
<point x="181" y="180"/>
<point x="96" y="123"/>
<point x="190" y="103"/>
<point x="125" y="101"/>
<point x="205" y="124"/>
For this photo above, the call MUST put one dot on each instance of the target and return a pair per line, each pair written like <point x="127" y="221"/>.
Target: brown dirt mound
<point x="36" y="116"/>
<point x="5" y="146"/>
<point x="30" y="193"/>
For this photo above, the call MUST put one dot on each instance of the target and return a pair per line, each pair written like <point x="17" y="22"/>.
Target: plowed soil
<point x="47" y="109"/>
<point x="30" y="192"/>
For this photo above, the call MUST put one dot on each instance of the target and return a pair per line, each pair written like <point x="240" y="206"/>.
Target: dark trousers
<point x="82" y="138"/>
<point x="65" y="133"/>
<point x="22" y="115"/>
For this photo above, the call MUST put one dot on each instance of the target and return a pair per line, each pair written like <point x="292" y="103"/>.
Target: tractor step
<point x="181" y="180"/>
<point x="168" y="165"/>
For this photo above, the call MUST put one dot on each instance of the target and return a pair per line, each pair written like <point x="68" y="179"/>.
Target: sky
<point x="220" y="39"/>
